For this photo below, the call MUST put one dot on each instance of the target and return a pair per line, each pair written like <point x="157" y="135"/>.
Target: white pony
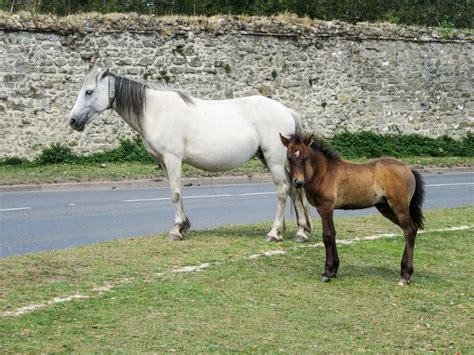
<point x="210" y="135"/>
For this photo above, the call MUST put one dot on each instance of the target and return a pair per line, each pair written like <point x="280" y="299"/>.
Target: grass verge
<point x="263" y="304"/>
<point x="114" y="171"/>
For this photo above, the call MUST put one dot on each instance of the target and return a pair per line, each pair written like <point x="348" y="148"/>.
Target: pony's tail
<point x="417" y="201"/>
<point x="297" y="119"/>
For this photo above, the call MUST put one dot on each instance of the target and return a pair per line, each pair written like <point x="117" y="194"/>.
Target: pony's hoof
<point x="273" y="239"/>
<point x="325" y="279"/>
<point x="403" y="282"/>
<point x="300" y="239"/>
<point x="186" y="226"/>
<point x="174" y="237"/>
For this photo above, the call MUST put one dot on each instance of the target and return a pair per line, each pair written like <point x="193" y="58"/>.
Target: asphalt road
<point x="39" y="221"/>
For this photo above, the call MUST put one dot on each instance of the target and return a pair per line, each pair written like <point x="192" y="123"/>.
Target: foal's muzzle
<point x="299" y="183"/>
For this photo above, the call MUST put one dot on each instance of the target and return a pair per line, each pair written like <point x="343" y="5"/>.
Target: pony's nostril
<point x="72" y="121"/>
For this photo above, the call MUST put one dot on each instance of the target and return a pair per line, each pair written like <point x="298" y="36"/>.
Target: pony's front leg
<point x="181" y="222"/>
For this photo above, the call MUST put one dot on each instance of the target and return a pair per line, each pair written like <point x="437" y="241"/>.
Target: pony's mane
<point x="318" y="144"/>
<point x="130" y="95"/>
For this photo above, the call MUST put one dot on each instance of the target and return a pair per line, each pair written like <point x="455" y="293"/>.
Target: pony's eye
<point x="89" y="92"/>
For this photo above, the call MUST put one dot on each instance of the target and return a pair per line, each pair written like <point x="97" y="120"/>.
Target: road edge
<point x="163" y="182"/>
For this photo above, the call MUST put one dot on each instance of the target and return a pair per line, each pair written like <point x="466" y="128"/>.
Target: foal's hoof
<point x="273" y="239"/>
<point x="404" y="282"/>
<point x="174" y="237"/>
<point x="324" y="279"/>
<point x="300" y="239"/>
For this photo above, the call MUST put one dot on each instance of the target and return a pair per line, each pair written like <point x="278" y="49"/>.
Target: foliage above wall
<point x="439" y="13"/>
<point x="283" y="25"/>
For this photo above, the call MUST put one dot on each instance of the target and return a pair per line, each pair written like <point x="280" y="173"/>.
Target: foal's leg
<point x="406" y="270"/>
<point x="181" y="222"/>
<point x="282" y="188"/>
<point x="329" y="239"/>
<point x="387" y="212"/>
<point x="409" y="231"/>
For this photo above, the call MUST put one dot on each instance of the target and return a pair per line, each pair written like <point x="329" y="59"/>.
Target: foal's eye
<point x="89" y="92"/>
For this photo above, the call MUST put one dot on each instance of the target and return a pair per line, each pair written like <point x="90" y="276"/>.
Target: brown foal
<point x="332" y="183"/>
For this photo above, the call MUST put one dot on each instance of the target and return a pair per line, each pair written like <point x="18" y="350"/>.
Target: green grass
<point x="67" y="172"/>
<point x="266" y="304"/>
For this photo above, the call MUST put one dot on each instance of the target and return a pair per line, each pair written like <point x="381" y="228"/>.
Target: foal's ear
<point x="284" y="140"/>
<point x="103" y="74"/>
<point x="308" y="140"/>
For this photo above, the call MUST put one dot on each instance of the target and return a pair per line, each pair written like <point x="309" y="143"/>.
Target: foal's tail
<point x="417" y="201"/>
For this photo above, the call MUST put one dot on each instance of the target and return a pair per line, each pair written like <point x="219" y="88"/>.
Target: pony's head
<point x="298" y="149"/>
<point x="93" y="99"/>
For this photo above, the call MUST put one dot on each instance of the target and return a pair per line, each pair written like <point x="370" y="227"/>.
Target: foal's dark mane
<point x="319" y="145"/>
<point x="130" y="96"/>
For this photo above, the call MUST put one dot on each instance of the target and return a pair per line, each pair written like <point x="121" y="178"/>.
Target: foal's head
<point x="299" y="148"/>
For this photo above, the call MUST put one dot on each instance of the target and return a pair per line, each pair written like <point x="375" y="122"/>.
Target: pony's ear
<point x="284" y="140"/>
<point x="104" y="74"/>
<point x="308" y="140"/>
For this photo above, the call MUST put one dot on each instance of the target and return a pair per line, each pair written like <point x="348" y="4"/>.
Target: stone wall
<point x="338" y="76"/>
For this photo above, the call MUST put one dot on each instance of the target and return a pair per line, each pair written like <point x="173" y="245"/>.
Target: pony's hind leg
<point x="282" y="190"/>
<point x="181" y="222"/>
<point x="303" y="218"/>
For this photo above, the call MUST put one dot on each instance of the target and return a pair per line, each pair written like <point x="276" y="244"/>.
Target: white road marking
<point x="261" y="193"/>
<point x="258" y="193"/>
<point x="196" y="268"/>
<point x="452" y="184"/>
<point x="201" y="196"/>
<point x="15" y="209"/>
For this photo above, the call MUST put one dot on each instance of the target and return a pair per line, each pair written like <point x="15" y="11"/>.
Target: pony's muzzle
<point x="74" y="123"/>
<point x="299" y="183"/>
